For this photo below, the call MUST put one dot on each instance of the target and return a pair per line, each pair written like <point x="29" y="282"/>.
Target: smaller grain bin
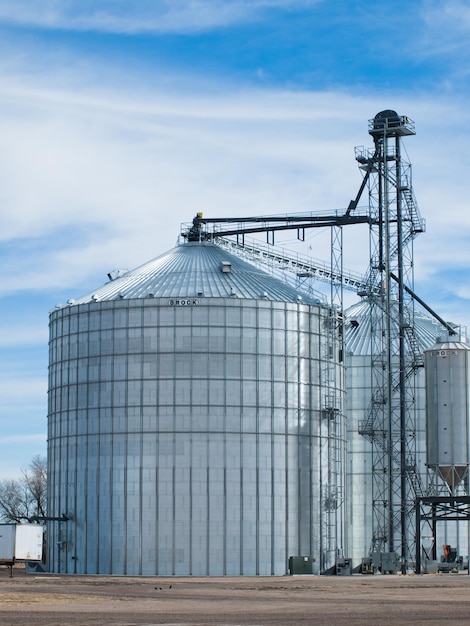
<point x="448" y="410"/>
<point x="361" y="465"/>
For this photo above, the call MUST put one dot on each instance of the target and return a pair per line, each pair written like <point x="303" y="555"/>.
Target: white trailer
<point x="20" y="543"/>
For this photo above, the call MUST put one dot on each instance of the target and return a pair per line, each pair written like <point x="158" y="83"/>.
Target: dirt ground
<point x="54" y="600"/>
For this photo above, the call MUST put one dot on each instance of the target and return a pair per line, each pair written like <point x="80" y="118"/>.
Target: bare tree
<point x="25" y="498"/>
<point x="35" y="480"/>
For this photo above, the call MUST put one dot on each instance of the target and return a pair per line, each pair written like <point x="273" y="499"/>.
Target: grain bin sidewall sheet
<point x="447" y="405"/>
<point x="184" y="438"/>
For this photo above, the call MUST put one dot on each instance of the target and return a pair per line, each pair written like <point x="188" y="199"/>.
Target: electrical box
<point x="343" y="567"/>
<point x="385" y="562"/>
<point x="300" y="565"/>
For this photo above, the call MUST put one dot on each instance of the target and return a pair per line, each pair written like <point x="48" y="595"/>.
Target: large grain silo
<point x="195" y="423"/>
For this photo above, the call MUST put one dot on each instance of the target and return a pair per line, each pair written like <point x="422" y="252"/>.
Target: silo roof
<point x="196" y="269"/>
<point x="358" y="330"/>
<point x="450" y="344"/>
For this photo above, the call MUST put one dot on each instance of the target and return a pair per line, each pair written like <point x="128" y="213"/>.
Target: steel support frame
<point x="332" y="420"/>
<point x="433" y="509"/>
<point x="390" y="425"/>
<point x="394" y="221"/>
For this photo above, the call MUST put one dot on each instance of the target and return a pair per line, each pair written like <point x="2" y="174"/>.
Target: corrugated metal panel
<point x="358" y="333"/>
<point x="196" y="270"/>
<point x="358" y="384"/>
<point x="447" y="367"/>
<point x="186" y="440"/>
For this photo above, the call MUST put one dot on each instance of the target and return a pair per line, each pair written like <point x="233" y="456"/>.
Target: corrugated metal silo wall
<point x="359" y="473"/>
<point x="185" y="439"/>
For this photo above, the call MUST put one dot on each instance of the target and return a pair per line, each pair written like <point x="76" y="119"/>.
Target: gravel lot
<point x="53" y="600"/>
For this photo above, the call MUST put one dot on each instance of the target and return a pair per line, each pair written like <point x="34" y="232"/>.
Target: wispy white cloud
<point x="13" y="386"/>
<point x="19" y="438"/>
<point x="18" y="450"/>
<point x="447" y="26"/>
<point x="129" y="173"/>
<point x="22" y="418"/>
<point x="18" y="336"/>
<point x="104" y="179"/>
<point x="145" y="16"/>
<point x="447" y="15"/>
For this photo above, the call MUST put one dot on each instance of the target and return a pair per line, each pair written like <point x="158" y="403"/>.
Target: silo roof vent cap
<point x="116" y="274"/>
<point x="226" y="266"/>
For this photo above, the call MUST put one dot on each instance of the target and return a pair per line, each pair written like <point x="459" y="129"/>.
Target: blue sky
<point x="120" y="120"/>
